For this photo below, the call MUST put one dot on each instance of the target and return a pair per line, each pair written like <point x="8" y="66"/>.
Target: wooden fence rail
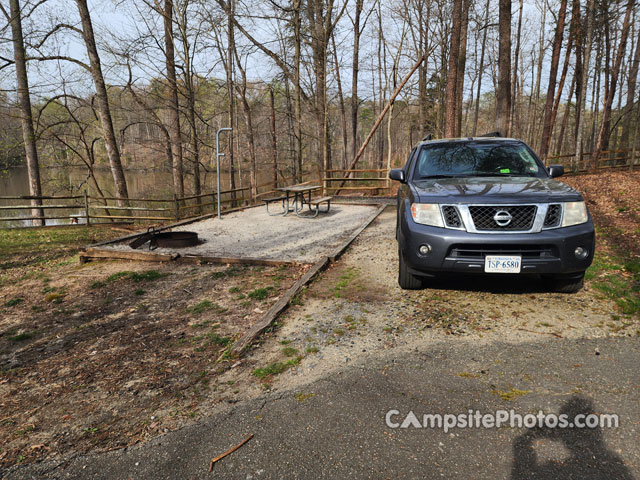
<point x="135" y="209"/>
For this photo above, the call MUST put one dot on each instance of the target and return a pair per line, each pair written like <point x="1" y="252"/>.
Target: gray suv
<point x="488" y="205"/>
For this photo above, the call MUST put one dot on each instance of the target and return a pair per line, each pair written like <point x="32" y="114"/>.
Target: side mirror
<point x="397" y="174"/>
<point x="556" y="171"/>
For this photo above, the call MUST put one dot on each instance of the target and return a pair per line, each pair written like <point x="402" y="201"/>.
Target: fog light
<point x="425" y="249"/>
<point x="581" y="253"/>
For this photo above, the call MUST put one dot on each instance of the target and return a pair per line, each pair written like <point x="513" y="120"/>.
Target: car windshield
<point x="477" y="159"/>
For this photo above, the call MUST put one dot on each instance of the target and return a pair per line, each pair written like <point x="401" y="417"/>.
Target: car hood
<point x="494" y="190"/>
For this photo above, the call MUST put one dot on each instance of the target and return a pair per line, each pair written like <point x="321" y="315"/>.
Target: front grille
<point x="451" y="216"/>
<point x="479" y="251"/>
<point x="522" y="217"/>
<point x="554" y="215"/>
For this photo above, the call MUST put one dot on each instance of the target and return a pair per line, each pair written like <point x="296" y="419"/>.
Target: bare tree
<point x="102" y="102"/>
<point x="547" y="126"/>
<point x="450" y="121"/>
<point x="172" y="94"/>
<point x="24" y="101"/>
<point x="503" y="95"/>
<point x="604" y="132"/>
<point x="631" y="93"/>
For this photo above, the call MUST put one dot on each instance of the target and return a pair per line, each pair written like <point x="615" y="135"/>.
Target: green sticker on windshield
<point x="505" y="170"/>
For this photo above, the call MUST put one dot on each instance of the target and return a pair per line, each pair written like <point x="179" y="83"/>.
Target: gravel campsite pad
<point x="252" y="233"/>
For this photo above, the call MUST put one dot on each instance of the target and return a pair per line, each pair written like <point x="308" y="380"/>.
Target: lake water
<point x="74" y="181"/>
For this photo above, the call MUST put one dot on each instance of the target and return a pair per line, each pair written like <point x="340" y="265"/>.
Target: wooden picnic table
<point x="294" y="194"/>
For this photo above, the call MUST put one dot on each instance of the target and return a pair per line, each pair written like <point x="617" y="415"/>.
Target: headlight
<point x="574" y="214"/>
<point x="427" y="214"/>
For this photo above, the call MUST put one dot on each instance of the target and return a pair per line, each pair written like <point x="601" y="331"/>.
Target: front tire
<point x="406" y="279"/>
<point x="567" y="284"/>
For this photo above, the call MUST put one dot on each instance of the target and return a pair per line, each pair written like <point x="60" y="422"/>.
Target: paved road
<point x="340" y="431"/>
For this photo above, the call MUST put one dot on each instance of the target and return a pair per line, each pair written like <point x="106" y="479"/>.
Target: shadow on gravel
<point x="512" y="284"/>
<point x="588" y="457"/>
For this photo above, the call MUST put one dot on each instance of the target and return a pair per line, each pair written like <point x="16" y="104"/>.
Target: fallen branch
<point x="381" y="117"/>
<point x="228" y="452"/>
<point x="541" y="333"/>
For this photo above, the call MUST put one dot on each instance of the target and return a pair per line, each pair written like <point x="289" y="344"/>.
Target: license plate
<point x="502" y="264"/>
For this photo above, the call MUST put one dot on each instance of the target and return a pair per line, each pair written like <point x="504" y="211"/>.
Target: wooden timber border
<point x="241" y="345"/>
<point x="95" y="251"/>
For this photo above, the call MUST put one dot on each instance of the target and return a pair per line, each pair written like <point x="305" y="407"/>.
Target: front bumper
<point x="546" y="252"/>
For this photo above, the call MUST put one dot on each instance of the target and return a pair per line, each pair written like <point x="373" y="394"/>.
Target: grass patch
<point x="618" y="280"/>
<point x="261" y="293"/>
<point x="147" y="276"/>
<point x="21" y="337"/>
<point x="16" y="241"/>
<point x="345" y="280"/>
<point x="204" y="306"/>
<point x="289" y="351"/>
<point x="312" y="350"/>
<point x="218" y="339"/>
<point x="54" y="297"/>
<point x="301" y="397"/>
<point x="14" y="301"/>
<point x="273" y="369"/>
<point x="97" y="284"/>
<point x="276" y="368"/>
<point x="510" y="394"/>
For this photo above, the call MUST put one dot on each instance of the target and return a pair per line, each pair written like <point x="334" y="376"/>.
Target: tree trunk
<point x="533" y="120"/>
<point x="604" y="133"/>
<point x="355" y="67"/>
<point x="102" y="104"/>
<point x="481" y="69"/>
<point x="514" y="79"/>
<point x="343" y="112"/>
<point x="503" y="95"/>
<point x="583" y="82"/>
<point x="462" y="64"/>
<point x="274" y="137"/>
<point x="547" y="125"/>
<point x="561" y="82"/>
<point x="631" y="92"/>
<point x="231" y="100"/>
<point x="248" y="120"/>
<point x="450" y="121"/>
<point x="26" y="118"/>
<point x="174" y="107"/>
<point x="565" y="118"/>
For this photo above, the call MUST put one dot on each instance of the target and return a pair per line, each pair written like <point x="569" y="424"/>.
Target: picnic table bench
<point x="298" y="200"/>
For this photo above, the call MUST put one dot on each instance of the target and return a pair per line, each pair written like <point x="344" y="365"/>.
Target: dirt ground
<point x="103" y="355"/>
<point x="95" y="359"/>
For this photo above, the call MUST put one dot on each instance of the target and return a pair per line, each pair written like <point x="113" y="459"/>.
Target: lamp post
<point x="218" y="155"/>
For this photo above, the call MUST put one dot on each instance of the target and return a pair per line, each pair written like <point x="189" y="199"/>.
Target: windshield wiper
<point x="429" y="177"/>
<point x="496" y="174"/>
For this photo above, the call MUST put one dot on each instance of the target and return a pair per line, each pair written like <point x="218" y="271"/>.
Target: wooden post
<point x="86" y="208"/>
<point x="320" y="180"/>
<point x="176" y="211"/>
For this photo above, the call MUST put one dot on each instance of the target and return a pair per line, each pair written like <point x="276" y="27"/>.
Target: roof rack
<point x="427" y="137"/>
<point x="492" y="134"/>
